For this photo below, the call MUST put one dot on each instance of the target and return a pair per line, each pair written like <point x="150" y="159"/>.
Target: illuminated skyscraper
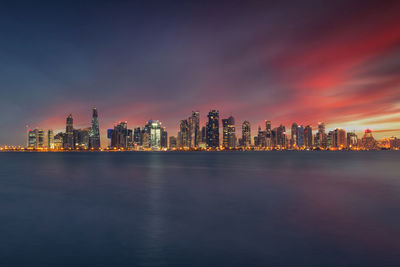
<point x="50" y="139"/>
<point x="94" y="134"/>
<point x="368" y="141"/>
<point x="339" y="138"/>
<point x="308" y="136"/>
<point x="300" y="136"/>
<point x="246" y="134"/>
<point x="194" y="130"/>
<point x="352" y="140"/>
<point x="36" y="138"/>
<point x="164" y="138"/>
<point x="229" y="135"/>
<point x="155" y="134"/>
<point x="321" y="138"/>
<point x="293" y="133"/>
<point x="69" y="131"/>
<point x="119" y="135"/>
<point x="172" y="142"/>
<point x="183" y="134"/>
<point x="213" y="129"/>
<point x="268" y="134"/>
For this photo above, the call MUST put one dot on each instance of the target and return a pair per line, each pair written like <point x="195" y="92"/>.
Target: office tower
<point x="280" y="138"/>
<point x="69" y="131"/>
<point x="268" y="134"/>
<point x="368" y="141"/>
<point x="260" y="141"/>
<point x="322" y="138"/>
<point x="339" y="138"/>
<point x="329" y="139"/>
<point x="300" y="136"/>
<point x="155" y="134"/>
<point x="194" y="129"/>
<point x="130" y="143"/>
<point x="59" y="141"/>
<point x="308" y="137"/>
<point x="293" y="133"/>
<point x="94" y="134"/>
<point x="229" y="134"/>
<point x="172" y="142"/>
<point x="50" y="139"/>
<point x="137" y="136"/>
<point x="119" y="135"/>
<point x="184" y="134"/>
<point x="352" y="139"/>
<point x="213" y="129"/>
<point x="246" y="134"/>
<point x="164" y="138"/>
<point x="35" y="138"/>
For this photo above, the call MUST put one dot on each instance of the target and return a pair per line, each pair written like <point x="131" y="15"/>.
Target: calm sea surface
<point x="200" y="209"/>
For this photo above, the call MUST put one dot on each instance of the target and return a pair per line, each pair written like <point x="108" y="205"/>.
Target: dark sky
<point x="285" y="61"/>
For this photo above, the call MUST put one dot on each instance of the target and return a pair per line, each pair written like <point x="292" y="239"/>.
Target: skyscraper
<point x="94" y="134"/>
<point x="119" y="135"/>
<point x="194" y="129"/>
<point x="308" y="136"/>
<point x="268" y="134"/>
<point x="36" y="138"/>
<point x="69" y="131"/>
<point x="229" y="135"/>
<point x="300" y="136"/>
<point x="50" y="139"/>
<point x="293" y="133"/>
<point x="339" y="138"/>
<point x="155" y="134"/>
<point x="184" y="133"/>
<point x="164" y="138"/>
<point x="213" y="129"/>
<point x="246" y="134"/>
<point x="321" y="136"/>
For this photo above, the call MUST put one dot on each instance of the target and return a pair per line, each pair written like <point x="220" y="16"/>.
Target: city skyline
<point x="216" y="133"/>
<point x="284" y="62"/>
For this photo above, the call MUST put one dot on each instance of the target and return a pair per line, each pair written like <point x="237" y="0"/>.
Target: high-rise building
<point x="368" y="141"/>
<point x="268" y="135"/>
<point x="155" y="134"/>
<point x="293" y="133"/>
<point x="339" y="138"/>
<point x="50" y="139"/>
<point x="213" y="129"/>
<point x="94" y="134"/>
<point x="321" y="138"/>
<point x="229" y="135"/>
<point x="137" y="136"/>
<point x="59" y="141"/>
<point x="246" y="134"/>
<point x="119" y="135"/>
<point x="172" y="142"/>
<point x="352" y="139"/>
<point x="308" y="137"/>
<point x="184" y="133"/>
<point x="36" y="138"/>
<point x="194" y="129"/>
<point x="300" y="136"/>
<point x="164" y="138"/>
<point x="69" y="131"/>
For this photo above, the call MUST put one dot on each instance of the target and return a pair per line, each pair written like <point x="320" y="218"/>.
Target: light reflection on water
<point x="200" y="209"/>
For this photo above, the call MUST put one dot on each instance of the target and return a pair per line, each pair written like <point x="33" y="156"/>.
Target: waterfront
<point x="282" y="208"/>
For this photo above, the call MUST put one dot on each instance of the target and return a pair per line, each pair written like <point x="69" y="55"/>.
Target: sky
<point x="284" y="61"/>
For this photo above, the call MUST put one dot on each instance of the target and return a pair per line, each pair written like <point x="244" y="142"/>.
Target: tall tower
<point x="194" y="129"/>
<point x="229" y="135"/>
<point x="213" y="129"/>
<point x="94" y="135"/>
<point x="69" y="132"/>
<point x="246" y="134"/>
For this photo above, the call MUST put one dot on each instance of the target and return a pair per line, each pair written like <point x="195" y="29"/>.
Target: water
<point x="200" y="209"/>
